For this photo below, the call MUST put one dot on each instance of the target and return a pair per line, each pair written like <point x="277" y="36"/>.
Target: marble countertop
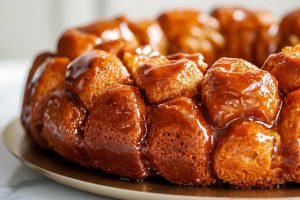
<point x="17" y="181"/>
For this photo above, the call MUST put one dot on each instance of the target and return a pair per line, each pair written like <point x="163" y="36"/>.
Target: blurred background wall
<point x="30" y="26"/>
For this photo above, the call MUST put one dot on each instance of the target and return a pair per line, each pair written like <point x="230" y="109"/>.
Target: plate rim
<point x="112" y="190"/>
<point x="106" y="191"/>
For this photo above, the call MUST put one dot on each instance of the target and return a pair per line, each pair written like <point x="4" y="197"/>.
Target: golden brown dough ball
<point x="165" y="81"/>
<point x="289" y="128"/>
<point x="243" y="155"/>
<point x="63" y="120"/>
<point x="190" y="31"/>
<point x="49" y="75"/>
<point x="233" y="88"/>
<point x="267" y="37"/>
<point x="114" y="130"/>
<point x="91" y="73"/>
<point x="26" y="108"/>
<point x="109" y="30"/>
<point x="134" y="58"/>
<point x="285" y="66"/>
<point x="179" y="142"/>
<point x="290" y="29"/>
<point x="250" y="35"/>
<point x="117" y="47"/>
<point x="198" y="58"/>
<point x="149" y="32"/>
<point x="73" y="43"/>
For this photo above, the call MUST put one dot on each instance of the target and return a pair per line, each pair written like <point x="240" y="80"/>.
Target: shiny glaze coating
<point x="289" y="128"/>
<point x="166" y="81"/>
<point x="109" y="30"/>
<point x="113" y="131"/>
<point x="126" y="108"/>
<point x="250" y="35"/>
<point x="26" y="107"/>
<point x="198" y="58"/>
<point x="63" y="121"/>
<point x="135" y="58"/>
<point x="148" y="32"/>
<point x="91" y="73"/>
<point x="243" y="155"/>
<point x="73" y="43"/>
<point x="111" y="35"/>
<point x="180" y="142"/>
<point x="290" y="29"/>
<point x="117" y="47"/>
<point x="234" y="88"/>
<point x="190" y="31"/>
<point x="49" y="75"/>
<point x="285" y="66"/>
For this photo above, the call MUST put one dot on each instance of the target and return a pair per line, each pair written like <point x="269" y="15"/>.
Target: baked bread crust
<point x="155" y="98"/>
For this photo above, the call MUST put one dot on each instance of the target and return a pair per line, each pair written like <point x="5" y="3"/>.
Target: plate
<point x="56" y="168"/>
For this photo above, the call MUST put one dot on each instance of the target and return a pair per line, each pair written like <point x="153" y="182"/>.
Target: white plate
<point x="54" y="167"/>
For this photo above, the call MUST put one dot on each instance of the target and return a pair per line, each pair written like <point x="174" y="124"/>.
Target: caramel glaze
<point x="134" y="58"/>
<point x="145" y="133"/>
<point x="233" y="87"/>
<point x="44" y="78"/>
<point x="111" y="30"/>
<point x="115" y="36"/>
<point x="117" y="47"/>
<point x="114" y="129"/>
<point x="63" y="121"/>
<point x="289" y="128"/>
<point x="26" y="109"/>
<point x="243" y="155"/>
<point x="198" y="58"/>
<point x="166" y="121"/>
<point x="191" y="31"/>
<point x="165" y="81"/>
<point x="92" y="72"/>
<point x="290" y="30"/>
<point x="285" y="66"/>
<point x="144" y="144"/>
<point x="251" y="35"/>
<point x="73" y="43"/>
<point x="149" y="32"/>
<point x="180" y="138"/>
